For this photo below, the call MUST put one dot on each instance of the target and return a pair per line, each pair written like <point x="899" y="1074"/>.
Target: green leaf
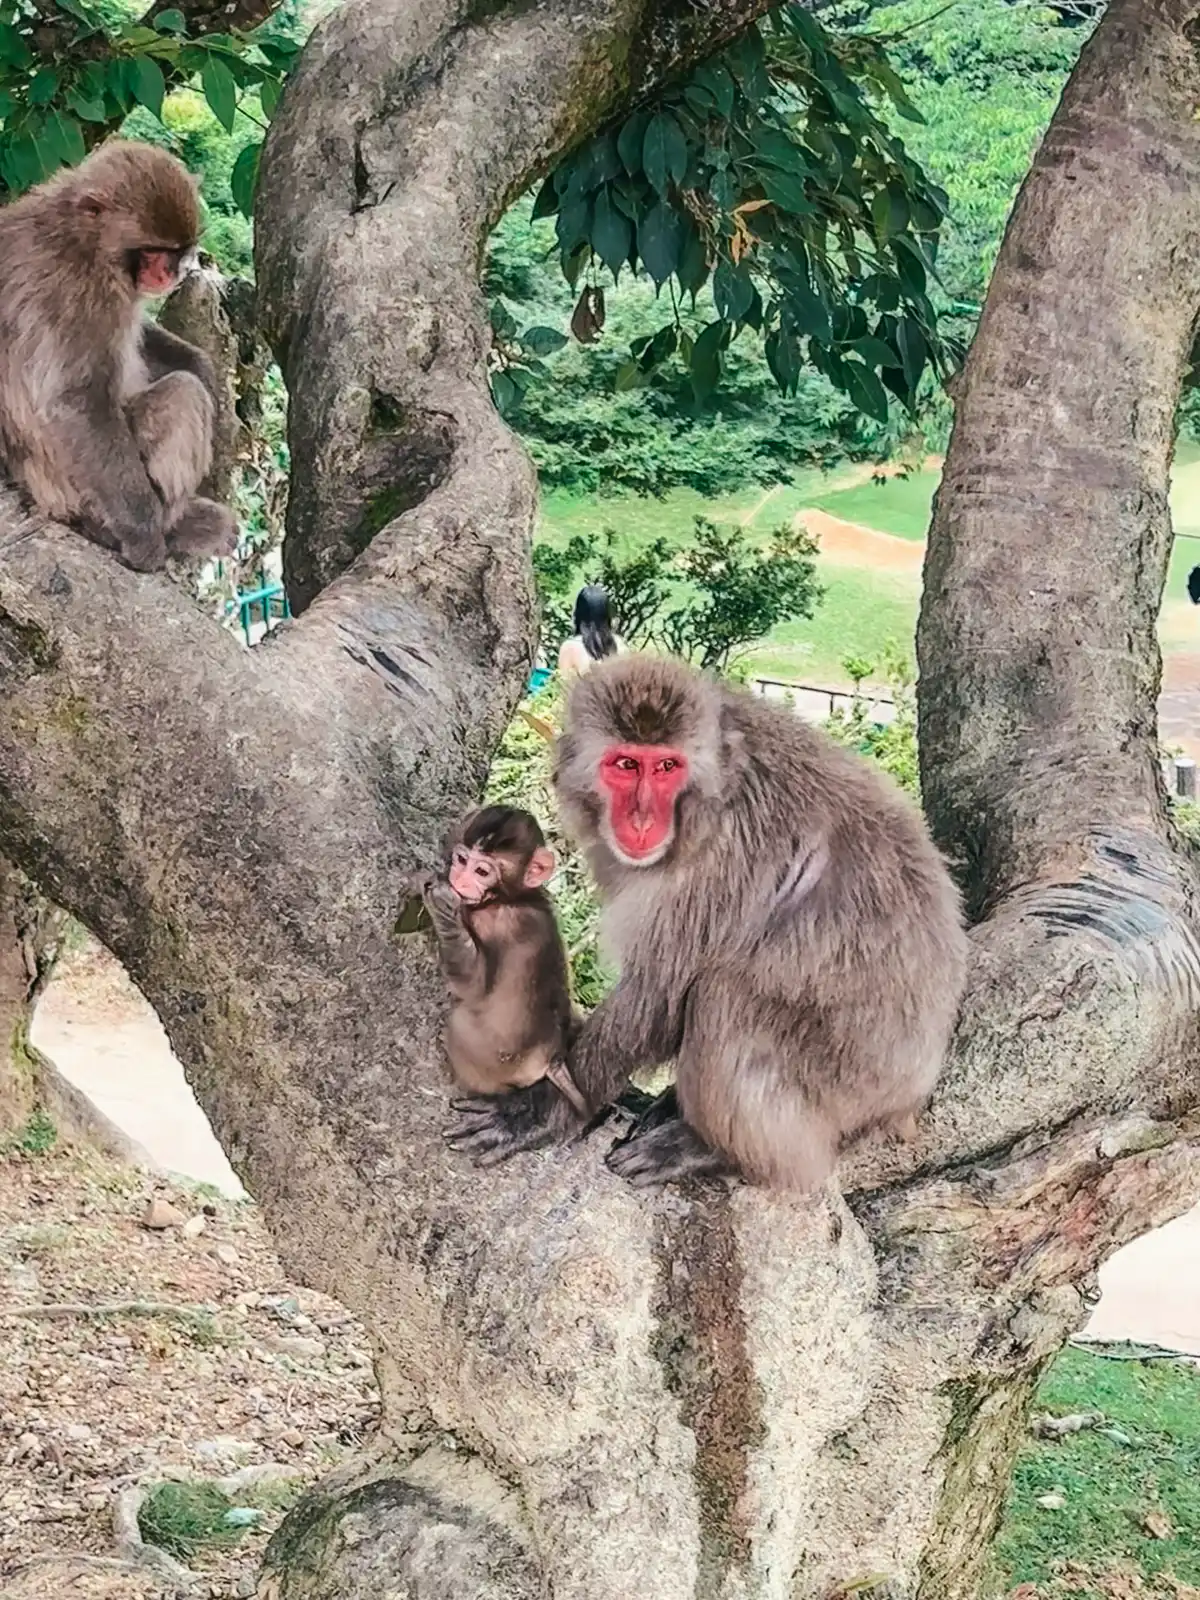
<point x="895" y="380"/>
<point x="66" y="136"/>
<point x="600" y="162"/>
<point x="808" y="313"/>
<point x="268" y="96"/>
<point x="733" y="292"/>
<point x="90" y="110"/>
<point x="706" y="358"/>
<point x="117" y="83"/>
<point x="542" y="341"/>
<point x="864" y="389"/>
<point x="43" y="86"/>
<point x="22" y="163"/>
<point x="717" y="81"/>
<point x="171" y="22"/>
<point x="630" y="141"/>
<point x="664" y="151"/>
<point x="504" y="324"/>
<point x="149" y="85"/>
<point x="7" y="104"/>
<point x="659" y="240"/>
<point x="693" y="262"/>
<point x="889" y="211"/>
<point x="630" y="376"/>
<point x="786" y="190"/>
<point x="782" y="351"/>
<point x="574" y="261"/>
<point x="874" y="352"/>
<point x="546" y="203"/>
<point x="776" y="147"/>
<point x="220" y="91"/>
<point x="573" y="224"/>
<point x="612" y="234"/>
<point x="652" y="352"/>
<point x="243" y="180"/>
<point x="910" y="343"/>
<point x="885" y="75"/>
<point x="909" y="264"/>
<point x="14" y="47"/>
<point x="505" y="393"/>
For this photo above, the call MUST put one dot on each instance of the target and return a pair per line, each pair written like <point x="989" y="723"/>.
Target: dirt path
<point x="230" y="1367"/>
<point x="106" y="1040"/>
<point x="852" y="544"/>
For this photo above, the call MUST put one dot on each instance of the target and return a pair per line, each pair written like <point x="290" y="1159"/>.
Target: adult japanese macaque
<point x="788" y="936"/>
<point x="502" y="956"/>
<point x="106" y="419"/>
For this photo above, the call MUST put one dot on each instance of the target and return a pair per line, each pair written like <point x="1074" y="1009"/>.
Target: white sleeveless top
<point x="573" y="658"/>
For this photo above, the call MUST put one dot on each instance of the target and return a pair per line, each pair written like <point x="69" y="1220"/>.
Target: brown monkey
<point x="511" y="1019"/>
<point x="788" y="935"/>
<point x="106" y="419"/>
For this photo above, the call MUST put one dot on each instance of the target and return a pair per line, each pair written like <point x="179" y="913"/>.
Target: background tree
<point x="710" y="1394"/>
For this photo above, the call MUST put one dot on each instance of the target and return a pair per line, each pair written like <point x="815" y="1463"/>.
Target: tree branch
<point x="408" y="133"/>
<point x="708" y="1392"/>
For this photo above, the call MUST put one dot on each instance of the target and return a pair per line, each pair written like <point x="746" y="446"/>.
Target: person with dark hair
<point x="1193" y="586"/>
<point x="593" y="638"/>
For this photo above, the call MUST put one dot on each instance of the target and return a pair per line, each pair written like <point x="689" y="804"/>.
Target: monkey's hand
<point x="490" y="1128"/>
<point x="441" y="899"/>
<point x="417" y="884"/>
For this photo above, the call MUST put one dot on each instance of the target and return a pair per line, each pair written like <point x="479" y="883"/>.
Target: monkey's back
<point x="876" y="947"/>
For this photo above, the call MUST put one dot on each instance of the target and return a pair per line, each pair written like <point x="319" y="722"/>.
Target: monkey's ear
<point x="91" y="204"/>
<point x="540" y="868"/>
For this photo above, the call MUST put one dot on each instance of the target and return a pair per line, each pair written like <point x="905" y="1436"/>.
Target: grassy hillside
<point x="867" y="606"/>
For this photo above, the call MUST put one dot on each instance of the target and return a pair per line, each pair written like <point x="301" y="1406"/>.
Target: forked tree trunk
<point x="591" y="1393"/>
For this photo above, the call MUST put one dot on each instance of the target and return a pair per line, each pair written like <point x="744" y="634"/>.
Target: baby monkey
<point x="511" y="1020"/>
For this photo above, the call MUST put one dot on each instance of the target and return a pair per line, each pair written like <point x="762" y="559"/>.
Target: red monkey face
<point x="157" y="271"/>
<point x="641" y="784"/>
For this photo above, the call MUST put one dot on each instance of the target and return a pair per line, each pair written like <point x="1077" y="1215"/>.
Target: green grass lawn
<point x="897" y="505"/>
<point x="1110" y="1488"/>
<point x="864" y="610"/>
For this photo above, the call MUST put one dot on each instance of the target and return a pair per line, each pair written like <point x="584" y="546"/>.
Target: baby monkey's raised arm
<point x="511" y="1021"/>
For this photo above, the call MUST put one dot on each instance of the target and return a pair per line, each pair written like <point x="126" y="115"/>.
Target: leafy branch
<point x="769" y="178"/>
<point x="70" y="71"/>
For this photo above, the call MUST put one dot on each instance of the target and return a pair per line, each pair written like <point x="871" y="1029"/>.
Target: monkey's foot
<point x="665" y="1153"/>
<point x="490" y="1128"/>
<point x="143" y="551"/>
<point x="203" y="528"/>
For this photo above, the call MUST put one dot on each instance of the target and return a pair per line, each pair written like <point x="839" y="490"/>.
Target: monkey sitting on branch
<point x="788" y="936"/>
<point x="511" y="1019"/>
<point x="106" y="419"/>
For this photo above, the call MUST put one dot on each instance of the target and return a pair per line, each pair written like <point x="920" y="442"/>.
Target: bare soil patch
<point x="856" y="545"/>
<point x="239" y="1368"/>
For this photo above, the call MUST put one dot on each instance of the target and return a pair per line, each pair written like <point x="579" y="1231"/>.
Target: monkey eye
<point x="668" y="765"/>
<point x="626" y="764"/>
<point x="482" y="871"/>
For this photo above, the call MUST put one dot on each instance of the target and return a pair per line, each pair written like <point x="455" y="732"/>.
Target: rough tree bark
<point x="590" y="1393"/>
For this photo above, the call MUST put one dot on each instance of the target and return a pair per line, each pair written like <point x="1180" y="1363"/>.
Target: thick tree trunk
<point x="591" y="1393"/>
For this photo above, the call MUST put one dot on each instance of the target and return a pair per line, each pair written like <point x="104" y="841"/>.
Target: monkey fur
<point x="106" y="419"/>
<point x="788" y="936"/>
<point x="511" y="1019"/>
